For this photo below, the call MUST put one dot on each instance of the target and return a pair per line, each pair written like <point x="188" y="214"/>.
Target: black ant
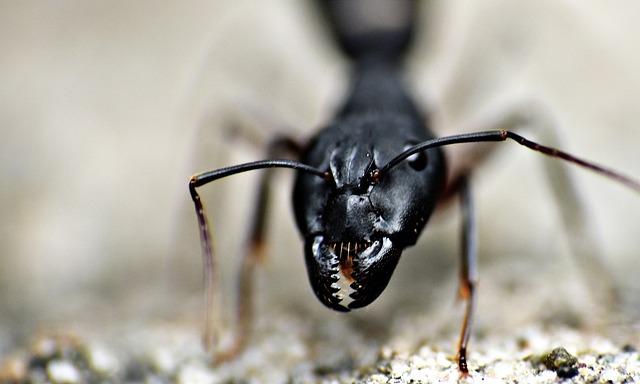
<point x="366" y="184"/>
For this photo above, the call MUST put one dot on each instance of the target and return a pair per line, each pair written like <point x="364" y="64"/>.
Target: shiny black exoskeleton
<point x="353" y="223"/>
<point x="356" y="226"/>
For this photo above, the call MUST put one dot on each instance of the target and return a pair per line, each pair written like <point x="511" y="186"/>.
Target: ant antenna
<point x="503" y="135"/>
<point x="209" y="261"/>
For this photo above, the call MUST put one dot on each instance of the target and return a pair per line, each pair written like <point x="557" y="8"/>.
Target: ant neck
<point x="378" y="86"/>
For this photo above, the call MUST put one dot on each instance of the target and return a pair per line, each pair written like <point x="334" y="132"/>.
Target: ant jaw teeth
<point x="346" y="275"/>
<point x="347" y="255"/>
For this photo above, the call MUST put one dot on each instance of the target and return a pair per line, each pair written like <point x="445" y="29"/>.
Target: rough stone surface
<point x="288" y="350"/>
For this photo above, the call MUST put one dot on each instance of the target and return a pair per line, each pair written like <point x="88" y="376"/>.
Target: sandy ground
<point x="106" y="109"/>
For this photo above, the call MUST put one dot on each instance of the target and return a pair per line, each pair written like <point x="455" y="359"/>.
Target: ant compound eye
<point x="370" y="177"/>
<point x="417" y="161"/>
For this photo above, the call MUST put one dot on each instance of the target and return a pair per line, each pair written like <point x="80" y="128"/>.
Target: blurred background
<point x="107" y="108"/>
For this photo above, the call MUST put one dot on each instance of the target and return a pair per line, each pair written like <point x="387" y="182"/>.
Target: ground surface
<point x="288" y="351"/>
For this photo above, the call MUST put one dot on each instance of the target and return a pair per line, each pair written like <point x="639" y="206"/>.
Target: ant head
<point x="359" y="219"/>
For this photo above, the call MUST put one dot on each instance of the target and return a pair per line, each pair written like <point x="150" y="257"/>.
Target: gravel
<point x="295" y="350"/>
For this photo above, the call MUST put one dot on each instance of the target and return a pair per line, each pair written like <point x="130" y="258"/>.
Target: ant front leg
<point x="253" y="253"/>
<point x="468" y="269"/>
<point x="568" y="199"/>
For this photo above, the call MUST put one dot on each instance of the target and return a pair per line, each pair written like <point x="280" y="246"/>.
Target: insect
<point x="365" y="184"/>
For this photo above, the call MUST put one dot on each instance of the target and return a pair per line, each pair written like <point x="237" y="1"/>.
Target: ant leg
<point x="527" y="111"/>
<point x="468" y="270"/>
<point x="253" y="255"/>
<point x="580" y="234"/>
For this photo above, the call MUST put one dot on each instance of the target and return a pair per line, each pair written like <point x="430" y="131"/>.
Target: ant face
<point x="357" y="224"/>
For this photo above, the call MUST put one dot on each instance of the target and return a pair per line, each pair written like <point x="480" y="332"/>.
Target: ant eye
<point x="370" y="177"/>
<point x="417" y="161"/>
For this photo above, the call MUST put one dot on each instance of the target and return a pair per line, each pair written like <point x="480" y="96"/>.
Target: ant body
<point x="366" y="184"/>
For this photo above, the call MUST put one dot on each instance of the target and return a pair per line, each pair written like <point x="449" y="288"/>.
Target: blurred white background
<point x="106" y="109"/>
